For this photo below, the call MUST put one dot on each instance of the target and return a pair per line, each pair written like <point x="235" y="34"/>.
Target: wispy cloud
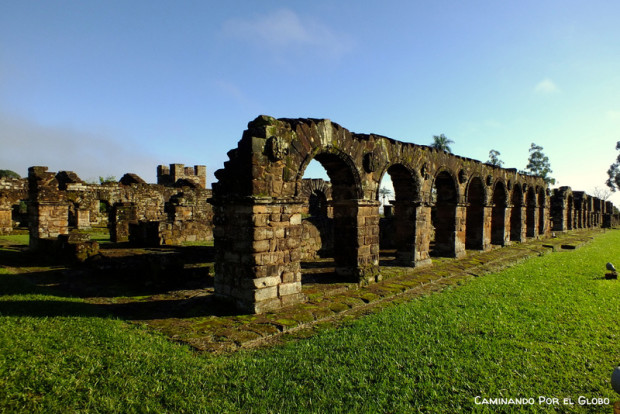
<point x="284" y="30"/>
<point x="546" y="86"/>
<point x="26" y="143"/>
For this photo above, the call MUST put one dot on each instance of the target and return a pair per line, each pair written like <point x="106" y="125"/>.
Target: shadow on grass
<point x="163" y="309"/>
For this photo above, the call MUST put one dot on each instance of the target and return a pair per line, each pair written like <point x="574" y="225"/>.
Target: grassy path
<point x="546" y="327"/>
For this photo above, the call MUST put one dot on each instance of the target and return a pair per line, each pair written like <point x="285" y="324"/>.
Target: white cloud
<point x="283" y="30"/>
<point x="546" y="86"/>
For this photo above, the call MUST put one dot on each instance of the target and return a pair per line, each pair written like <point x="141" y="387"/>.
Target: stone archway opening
<point x="329" y="240"/>
<point x="398" y="226"/>
<point x="498" y="215"/>
<point x="516" y="215"/>
<point x="531" y="213"/>
<point x="444" y="198"/>
<point x="474" y="233"/>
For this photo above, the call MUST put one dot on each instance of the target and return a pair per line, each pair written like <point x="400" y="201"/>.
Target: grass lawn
<point x="547" y="327"/>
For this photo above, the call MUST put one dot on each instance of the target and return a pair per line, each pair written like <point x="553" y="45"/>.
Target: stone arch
<point x="258" y="205"/>
<point x="474" y="216"/>
<point x="498" y="214"/>
<point x="444" y="200"/>
<point x="516" y="214"/>
<point x="345" y="190"/>
<point x="344" y="177"/>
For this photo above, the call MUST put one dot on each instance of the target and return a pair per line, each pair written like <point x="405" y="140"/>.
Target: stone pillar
<point x="356" y="240"/>
<point x="507" y="225"/>
<point x="6" y="220"/>
<point x="460" y="231"/>
<point x="48" y="211"/>
<point x="423" y="225"/>
<point x="82" y="218"/>
<point x="487" y="230"/>
<point x="121" y="216"/>
<point x="258" y="252"/>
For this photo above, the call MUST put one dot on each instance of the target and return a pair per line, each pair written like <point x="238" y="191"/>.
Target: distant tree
<point x="538" y="164"/>
<point x="441" y="142"/>
<point x="385" y="192"/>
<point x="9" y="174"/>
<point x="494" y="158"/>
<point x="613" y="182"/>
<point x="601" y="193"/>
<point x="108" y="179"/>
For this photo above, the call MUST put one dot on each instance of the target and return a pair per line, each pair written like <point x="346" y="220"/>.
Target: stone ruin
<point x="266" y="219"/>
<point x="145" y="214"/>
<point x="443" y="205"/>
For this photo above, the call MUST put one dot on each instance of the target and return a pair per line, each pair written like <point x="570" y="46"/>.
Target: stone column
<point x="82" y="218"/>
<point x="48" y="211"/>
<point x="258" y="252"/>
<point x="6" y="219"/>
<point x="460" y="232"/>
<point x="356" y="239"/>
<point x="121" y="216"/>
<point x="423" y="225"/>
<point x="487" y="230"/>
<point x="507" y="225"/>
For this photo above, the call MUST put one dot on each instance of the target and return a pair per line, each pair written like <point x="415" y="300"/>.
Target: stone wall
<point x="12" y="193"/>
<point x="63" y="200"/>
<point x="443" y="204"/>
<point x="175" y="173"/>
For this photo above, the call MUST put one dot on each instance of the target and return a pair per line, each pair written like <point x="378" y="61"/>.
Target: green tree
<point x="385" y="192"/>
<point x="441" y="142"/>
<point x="108" y="179"/>
<point x="9" y="174"/>
<point x="494" y="158"/>
<point x="538" y="164"/>
<point x="613" y="182"/>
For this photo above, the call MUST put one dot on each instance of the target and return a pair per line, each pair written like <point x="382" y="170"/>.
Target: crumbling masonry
<point x="146" y="214"/>
<point x="443" y="205"/>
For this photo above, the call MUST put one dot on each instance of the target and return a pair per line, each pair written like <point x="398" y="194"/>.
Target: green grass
<point x="17" y="239"/>
<point x="547" y="327"/>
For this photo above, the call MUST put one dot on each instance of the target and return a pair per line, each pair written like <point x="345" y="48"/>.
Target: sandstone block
<point x="289" y="288"/>
<point x="265" y="293"/>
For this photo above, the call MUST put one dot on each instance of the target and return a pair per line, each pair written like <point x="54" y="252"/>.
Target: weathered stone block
<point x="289" y="288"/>
<point x="265" y="293"/>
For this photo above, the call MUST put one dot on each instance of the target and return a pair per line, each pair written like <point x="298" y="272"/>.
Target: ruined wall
<point x="12" y="192"/>
<point x="179" y="213"/>
<point x="48" y="209"/>
<point x="175" y="173"/>
<point x="258" y="195"/>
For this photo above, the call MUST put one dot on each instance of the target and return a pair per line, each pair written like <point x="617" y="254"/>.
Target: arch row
<point x="443" y="205"/>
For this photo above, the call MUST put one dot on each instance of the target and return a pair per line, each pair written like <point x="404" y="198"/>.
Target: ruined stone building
<point x="443" y="205"/>
<point x="266" y="219"/>
<point x="149" y="214"/>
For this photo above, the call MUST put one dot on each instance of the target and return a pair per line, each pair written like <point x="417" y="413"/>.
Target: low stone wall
<point x="160" y="233"/>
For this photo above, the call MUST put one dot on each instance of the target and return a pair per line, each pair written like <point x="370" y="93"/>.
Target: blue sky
<point x="104" y="88"/>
